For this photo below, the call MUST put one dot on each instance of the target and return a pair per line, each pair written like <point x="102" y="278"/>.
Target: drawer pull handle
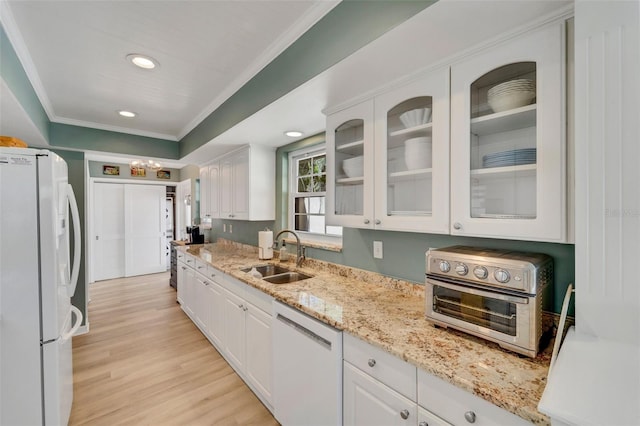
<point x="470" y="416"/>
<point x="404" y="414"/>
<point x="371" y="362"/>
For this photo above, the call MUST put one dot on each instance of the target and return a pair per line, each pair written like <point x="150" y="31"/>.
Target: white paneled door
<point x="108" y="254"/>
<point x="129" y="223"/>
<point x="144" y="223"/>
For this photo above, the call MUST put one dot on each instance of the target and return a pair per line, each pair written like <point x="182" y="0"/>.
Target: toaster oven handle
<point x="477" y="292"/>
<point x="473" y="308"/>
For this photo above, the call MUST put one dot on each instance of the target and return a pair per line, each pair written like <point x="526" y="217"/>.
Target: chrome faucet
<point x="300" y="250"/>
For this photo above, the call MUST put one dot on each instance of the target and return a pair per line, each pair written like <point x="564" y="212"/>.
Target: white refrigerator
<point x="38" y="276"/>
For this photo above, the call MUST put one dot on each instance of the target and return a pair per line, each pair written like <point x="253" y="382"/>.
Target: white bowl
<point x="415" y="117"/>
<point x="510" y="100"/>
<point x="353" y="167"/>
<point x="417" y="153"/>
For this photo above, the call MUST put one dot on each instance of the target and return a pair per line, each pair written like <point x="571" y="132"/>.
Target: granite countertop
<point x="389" y="313"/>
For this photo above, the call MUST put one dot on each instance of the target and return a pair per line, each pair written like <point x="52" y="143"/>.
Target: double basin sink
<point x="276" y="274"/>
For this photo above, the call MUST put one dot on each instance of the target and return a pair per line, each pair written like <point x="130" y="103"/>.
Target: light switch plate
<point x="377" y="249"/>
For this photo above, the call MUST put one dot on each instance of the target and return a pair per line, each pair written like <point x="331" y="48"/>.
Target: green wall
<point x="76" y="168"/>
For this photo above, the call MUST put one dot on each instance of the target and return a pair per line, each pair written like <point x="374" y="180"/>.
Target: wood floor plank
<point x="145" y="363"/>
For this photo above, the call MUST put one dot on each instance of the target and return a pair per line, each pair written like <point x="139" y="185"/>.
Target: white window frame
<point x="306" y="237"/>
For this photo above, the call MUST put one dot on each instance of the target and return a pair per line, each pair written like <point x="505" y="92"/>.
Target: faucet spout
<point x="300" y="251"/>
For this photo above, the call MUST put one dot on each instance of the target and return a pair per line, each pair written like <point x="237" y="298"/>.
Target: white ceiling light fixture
<point x="142" y="61"/>
<point x="293" y="133"/>
<point x="127" y="114"/>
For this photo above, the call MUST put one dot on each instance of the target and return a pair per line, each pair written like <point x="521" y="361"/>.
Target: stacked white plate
<point x="511" y="94"/>
<point x="514" y="157"/>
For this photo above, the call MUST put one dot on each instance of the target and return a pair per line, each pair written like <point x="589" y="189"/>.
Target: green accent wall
<point x="83" y="138"/>
<point x="13" y="74"/>
<point x="76" y="167"/>
<point x="345" y="29"/>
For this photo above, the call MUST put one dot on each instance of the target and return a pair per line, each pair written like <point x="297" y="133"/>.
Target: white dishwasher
<point x="307" y="369"/>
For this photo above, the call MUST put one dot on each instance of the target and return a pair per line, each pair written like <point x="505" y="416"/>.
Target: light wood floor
<point x="145" y="363"/>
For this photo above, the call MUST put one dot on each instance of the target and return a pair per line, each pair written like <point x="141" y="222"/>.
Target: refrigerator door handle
<point x="76" y="325"/>
<point x="77" y="240"/>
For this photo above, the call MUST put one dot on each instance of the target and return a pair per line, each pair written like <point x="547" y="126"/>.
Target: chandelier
<point x="147" y="164"/>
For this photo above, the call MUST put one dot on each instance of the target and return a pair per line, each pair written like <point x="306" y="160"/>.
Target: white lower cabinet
<point x="379" y="389"/>
<point x="369" y="402"/>
<point x="247" y="336"/>
<point x="234" y="317"/>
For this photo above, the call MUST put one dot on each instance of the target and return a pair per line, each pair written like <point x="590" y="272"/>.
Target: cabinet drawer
<point x="189" y="260"/>
<point x="390" y="370"/>
<point x="201" y="266"/>
<point x="214" y="274"/>
<point x="454" y="404"/>
<point x="181" y="255"/>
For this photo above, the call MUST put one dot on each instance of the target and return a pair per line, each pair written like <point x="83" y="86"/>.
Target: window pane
<point x="304" y="167"/>
<point x="302" y="223"/>
<point x="316" y="224"/>
<point x="315" y="205"/>
<point x="304" y="184"/>
<point x="321" y="183"/>
<point x="301" y="205"/>
<point x="320" y="164"/>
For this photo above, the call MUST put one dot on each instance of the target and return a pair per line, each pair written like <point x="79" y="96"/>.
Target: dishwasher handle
<point x="303" y="330"/>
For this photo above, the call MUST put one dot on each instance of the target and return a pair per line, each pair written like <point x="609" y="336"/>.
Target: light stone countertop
<point x="389" y="313"/>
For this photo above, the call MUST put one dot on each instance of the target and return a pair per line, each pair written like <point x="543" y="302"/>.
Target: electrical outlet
<point x="377" y="249"/>
<point x="230" y="228"/>
<point x="224" y="227"/>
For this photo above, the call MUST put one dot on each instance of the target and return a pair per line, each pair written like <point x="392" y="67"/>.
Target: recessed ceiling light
<point x="142" y="61"/>
<point x="127" y="114"/>
<point x="293" y="133"/>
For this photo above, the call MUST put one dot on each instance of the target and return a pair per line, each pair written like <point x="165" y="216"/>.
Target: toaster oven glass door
<point x="494" y="311"/>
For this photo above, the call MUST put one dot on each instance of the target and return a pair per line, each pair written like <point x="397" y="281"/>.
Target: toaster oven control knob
<point x="462" y="269"/>
<point x="480" y="272"/>
<point x="444" y="266"/>
<point x="502" y="276"/>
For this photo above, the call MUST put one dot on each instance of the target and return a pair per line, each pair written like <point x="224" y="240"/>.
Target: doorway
<point x="129" y="226"/>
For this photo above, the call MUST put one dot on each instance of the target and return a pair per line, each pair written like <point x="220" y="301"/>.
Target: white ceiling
<point x="74" y="54"/>
<point x="183" y="91"/>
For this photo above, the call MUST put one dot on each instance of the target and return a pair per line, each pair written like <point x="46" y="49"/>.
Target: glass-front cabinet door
<point x="412" y="156"/>
<point x="508" y="164"/>
<point x="350" y="167"/>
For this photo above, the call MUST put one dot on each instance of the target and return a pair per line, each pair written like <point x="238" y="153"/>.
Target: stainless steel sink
<point x="267" y="270"/>
<point x="287" y="277"/>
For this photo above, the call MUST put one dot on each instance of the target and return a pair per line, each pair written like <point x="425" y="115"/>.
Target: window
<point x="308" y="183"/>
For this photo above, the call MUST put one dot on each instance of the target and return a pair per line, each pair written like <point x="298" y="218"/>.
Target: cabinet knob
<point x="371" y="362"/>
<point x="200" y="267"/>
<point x="404" y="414"/>
<point x="378" y="222"/>
<point x="184" y="268"/>
<point x="457" y="225"/>
<point x="423" y="423"/>
<point x="240" y="306"/>
<point x="470" y="416"/>
<point x="366" y="221"/>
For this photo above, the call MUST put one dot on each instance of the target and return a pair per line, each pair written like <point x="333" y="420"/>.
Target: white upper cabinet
<point x="508" y="150"/>
<point x="350" y="167"/>
<point x="388" y="159"/>
<point x="412" y="156"/>
<point x="240" y="185"/>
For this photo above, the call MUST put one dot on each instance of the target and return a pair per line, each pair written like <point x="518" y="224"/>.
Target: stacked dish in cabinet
<point x="503" y="143"/>
<point x="409" y="157"/>
<point x="349" y="166"/>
